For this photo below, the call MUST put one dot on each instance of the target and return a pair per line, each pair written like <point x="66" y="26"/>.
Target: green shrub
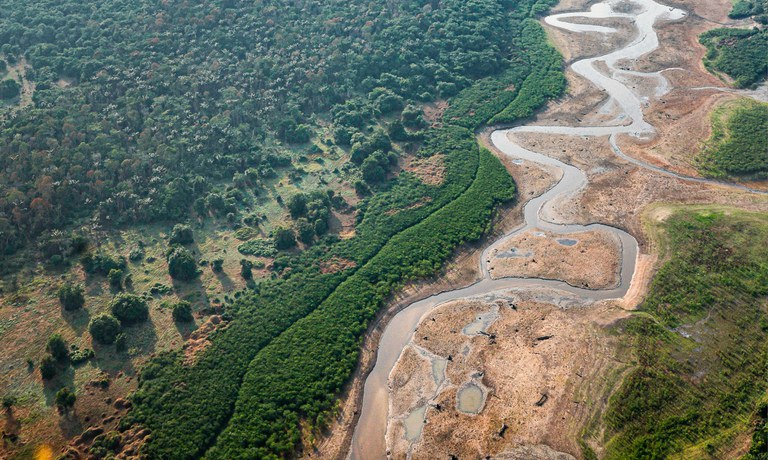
<point x="129" y="308"/>
<point x="258" y="247"/>
<point x="115" y="278"/>
<point x="104" y="328"/>
<point x="182" y="312"/>
<point x="217" y="265"/>
<point x="71" y="296"/>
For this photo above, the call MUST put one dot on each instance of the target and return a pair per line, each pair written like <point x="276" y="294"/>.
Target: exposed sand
<point x="592" y="261"/>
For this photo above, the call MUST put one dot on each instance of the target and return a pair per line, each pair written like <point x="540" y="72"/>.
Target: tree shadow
<point x="186" y="329"/>
<point x="77" y="319"/>
<point x="65" y="377"/>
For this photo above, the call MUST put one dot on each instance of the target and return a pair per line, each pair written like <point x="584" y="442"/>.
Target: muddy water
<point x="369" y="437"/>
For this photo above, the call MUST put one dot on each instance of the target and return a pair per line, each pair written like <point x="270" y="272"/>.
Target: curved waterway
<point x="368" y="441"/>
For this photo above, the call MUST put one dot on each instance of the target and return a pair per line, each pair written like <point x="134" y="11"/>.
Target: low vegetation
<point x="700" y="341"/>
<point x="739" y="142"/>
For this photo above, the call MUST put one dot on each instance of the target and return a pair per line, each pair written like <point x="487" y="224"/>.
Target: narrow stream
<point x="368" y="441"/>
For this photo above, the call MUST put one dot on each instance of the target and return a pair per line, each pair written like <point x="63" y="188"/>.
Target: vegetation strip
<point x="700" y="342"/>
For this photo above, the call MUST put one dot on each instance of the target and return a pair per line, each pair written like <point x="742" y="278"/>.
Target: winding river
<point x="368" y="441"/>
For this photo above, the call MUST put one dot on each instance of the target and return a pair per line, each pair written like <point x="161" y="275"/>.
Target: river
<point x="368" y="441"/>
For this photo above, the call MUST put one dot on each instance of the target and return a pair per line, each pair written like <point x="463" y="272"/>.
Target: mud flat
<point x="586" y="259"/>
<point x="523" y="371"/>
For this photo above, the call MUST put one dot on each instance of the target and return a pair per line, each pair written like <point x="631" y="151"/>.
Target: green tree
<point x="284" y="239"/>
<point x="245" y="269"/>
<point x="57" y="347"/>
<point x="104" y="329"/>
<point x="71" y="296"/>
<point x="182" y="265"/>
<point x="182" y="312"/>
<point x="9" y="89"/>
<point x="65" y="400"/>
<point x="47" y="367"/>
<point x="115" y="278"/>
<point x="129" y="308"/>
<point x="181" y="234"/>
<point x="217" y="265"/>
<point x="297" y="205"/>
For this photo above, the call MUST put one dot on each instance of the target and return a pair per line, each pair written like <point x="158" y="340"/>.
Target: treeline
<point x="700" y="342"/>
<point x="299" y="374"/>
<point x="739" y="53"/>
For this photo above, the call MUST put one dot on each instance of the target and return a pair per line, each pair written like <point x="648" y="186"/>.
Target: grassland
<point x="699" y="342"/>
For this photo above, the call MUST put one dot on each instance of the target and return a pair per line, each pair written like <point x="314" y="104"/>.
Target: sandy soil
<point x="538" y="364"/>
<point x="591" y="262"/>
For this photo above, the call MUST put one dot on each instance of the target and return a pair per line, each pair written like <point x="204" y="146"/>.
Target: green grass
<point x="699" y="342"/>
<point x="739" y="142"/>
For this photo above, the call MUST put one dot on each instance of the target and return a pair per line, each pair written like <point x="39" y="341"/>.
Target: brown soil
<point x="336" y="264"/>
<point x="593" y="262"/>
<point x="430" y="170"/>
<point x="433" y="112"/>
<point x="533" y="350"/>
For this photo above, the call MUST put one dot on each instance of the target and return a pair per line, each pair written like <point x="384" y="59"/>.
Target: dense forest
<point x="177" y="111"/>
<point x="145" y="110"/>
<point x="700" y="342"/>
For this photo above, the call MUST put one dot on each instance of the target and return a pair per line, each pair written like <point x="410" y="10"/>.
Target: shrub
<point x="259" y="247"/>
<point x="181" y="264"/>
<point x="181" y="234"/>
<point x="129" y="308"/>
<point x="65" y="399"/>
<point x="80" y="356"/>
<point x="115" y="278"/>
<point x="104" y="329"/>
<point x="182" y="312"/>
<point x="48" y="367"/>
<point x="217" y="265"/>
<point x="57" y="347"/>
<point x="71" y="296"/>
<point x="121" y="342"/>
<point x="284" y="239"/>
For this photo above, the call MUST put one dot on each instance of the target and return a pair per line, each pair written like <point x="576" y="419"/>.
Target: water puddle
<point x="482" y="322"/>
<point x="567" y="241"/>
<point x="513" y="253"/>
<point x="438" y="370"/>
<point x="470" y="399"/>
<point x="414" y="423"/>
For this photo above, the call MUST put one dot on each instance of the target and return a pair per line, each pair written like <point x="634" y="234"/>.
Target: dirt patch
<point x="433" y="112"/>
<point x="198" y="340"/>
<point x="336" y="264"/>
<point x="430" y="170"/>
<point x="586" y="259"/>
